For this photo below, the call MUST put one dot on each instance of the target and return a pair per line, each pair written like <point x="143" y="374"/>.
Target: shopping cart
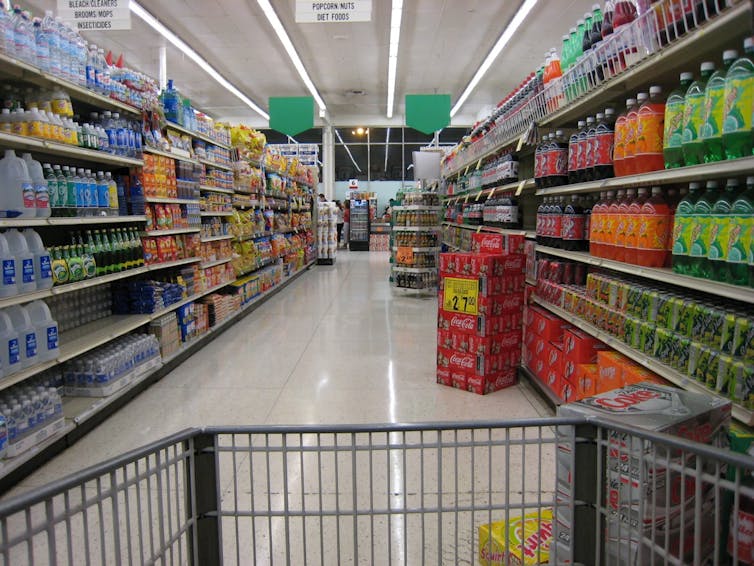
<point x="392" y="494"/>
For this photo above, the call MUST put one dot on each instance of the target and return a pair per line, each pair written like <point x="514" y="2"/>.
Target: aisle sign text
<point x="460" y="295"/>
<point x="96" y="15"/>
<point x="336" y="12"/>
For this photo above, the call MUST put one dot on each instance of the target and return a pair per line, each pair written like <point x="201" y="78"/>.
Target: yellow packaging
<point x="528" y="540"/>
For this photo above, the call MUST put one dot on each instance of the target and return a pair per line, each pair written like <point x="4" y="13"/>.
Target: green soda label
<point x="713" y="111"/>
<point x="90" y="267"/>
<point x="674" y="112"/>
<point x="720" y="226"/>
<point x="739" y="239"/>
<point x="682" y="231"/>
<point x="693" y="117"/>
<point x="739" y="97"/>
<point x="700" y="233"/>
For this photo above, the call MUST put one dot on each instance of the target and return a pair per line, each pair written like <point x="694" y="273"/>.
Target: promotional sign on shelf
<point x="460" y="295"/>
<point x="94" y="15"/>
<point x="405" y="255"/>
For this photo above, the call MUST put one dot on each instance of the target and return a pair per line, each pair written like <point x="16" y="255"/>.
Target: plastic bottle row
<point x="28" y="336"/>
<point x="100" y="252"/>
<point x="77" y="308"/>
<point x="27" y="409"/>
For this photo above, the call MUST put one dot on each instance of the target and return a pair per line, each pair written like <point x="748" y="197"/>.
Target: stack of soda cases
<point x="480" y="353"/>
<point x="643" y="498"/>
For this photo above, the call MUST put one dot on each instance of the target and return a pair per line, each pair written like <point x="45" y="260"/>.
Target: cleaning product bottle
<point x="720" y="230"/>
<point x="10" y="351"/>
<point x="649" y="129"/>
<point x="27" y="335"/>
<point x="673" y="135"/>
<point x="739" y="93"/>
<point x="25" y="279"/>
<point x="693" y="117"/>
<point x="8" y="286"/>
<point x="42" y="259"/>
<point x="17" y="199"/>
<point x="714" y="104"/>
<point x="740" y="241"/>
<point x="701" y="231"/>
<point x="46" y="329"/>
<point x="683" y="227"/>
<point x="41" y="190"/>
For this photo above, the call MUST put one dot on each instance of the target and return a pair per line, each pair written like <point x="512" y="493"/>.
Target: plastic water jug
<point x="8" y="286"/>
<point x="38" y="181"/>
<point x="10" y="351"/>
<point x="46" y="328"/>
<point x="27" y="335"/>
<point x="42" y="259"/>
<point x="17" y="199"/>
<point x="25" y="280"/>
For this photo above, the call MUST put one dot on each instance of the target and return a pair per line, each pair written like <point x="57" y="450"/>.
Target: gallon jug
<point x="42" y="260"/>
<point x="46" y="328"/>
<point x="17" y="198"/>
<point x="10" y="352"/>
<point x="25" y="280"/>
<point x="38" y="181"/>
<point x="27" y="335"/>
<point x="8" y="286"/>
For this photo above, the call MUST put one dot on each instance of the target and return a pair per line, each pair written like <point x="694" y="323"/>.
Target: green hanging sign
<point x="291" y="115"/>
<point x="427" y="113"/>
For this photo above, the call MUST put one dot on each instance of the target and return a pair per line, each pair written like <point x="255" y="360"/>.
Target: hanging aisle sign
<point x="313" y="12"/>
<point x="95" y="15"/>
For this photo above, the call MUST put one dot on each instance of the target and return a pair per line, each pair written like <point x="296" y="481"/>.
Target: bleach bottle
<point x="8" y="286"/>
<point x="39" y="182"/>
<point x="17" y="199"/>
<point x="27" y="335"/>
<point x="25" y="280"/>
<point x="46" y="329"/>
<point x="10" y="352"/>
<point x="42" y="259"/>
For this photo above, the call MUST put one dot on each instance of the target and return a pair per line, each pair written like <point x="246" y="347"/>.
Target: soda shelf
<point x="432" y="228"/>
<point x="675" y="377"/>
<point x="215" y="165"/>
<point x="47" y="147"/>
<point x="206" y="213"/>
<point x="216" y="190"/>
<point x="172" y="232"/>
<point x="73" y="221"/>
<point x="168" y="200"/>
<point x="214" y="263"/>
<point x="170" y="154"/>
<point x="418" y="207"/>
<point x="14" y="69"/>
<point x="663" y="275"/>
<point x="716" y="170"/>
<point x="518" y="186"/>
<point x="217" y="238"/>
<point x="414" y="269"/>
<point x="491" y="229"/>
<point x="548" y="394"/>
<point x="197" y="135"/>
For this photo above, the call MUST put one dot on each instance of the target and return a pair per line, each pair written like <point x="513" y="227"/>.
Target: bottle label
<point x="591" y="147"/>
<point x="713" y="110"/>
<point x="693" y="117"/>
<point x="700" y="233"/>
<point x="673" y="135"/>
<point x="45" y="267"/>
<point x="739" y="97"/>
<point x="60" y="106"/>
<point x="27" y="270"/>
<point x="653" y="232"/>
<point x="60" y="271"/>
<point x="581" y="155"/>
<point x="649" y="128"/>
<point x="27" y="192"/>
<point x="538" y="165"/>
<point x="573" y="156"/>
<point x="90" y="267"/>
<point x="31" y="344"/>
<point x="52" y="337"/>
<point x="13" y="351"/>
<point x="572" y="227"/>
<point x="558" y="162"/>
<point x="720" y="226"/>
<point x="35" y="129"/>
<point x="739" y="238"/>
<point x="595" y="228"/>
<point x="52" y="192"/>
<point x="9" y="272"/>
<point x="42" y="196"/>
<point x="603" y="150"/>
<point x="632" y="230"/>
<point x="620" y="229"/>
<point x="630" y="145"/>
<point x="556" y="226"/>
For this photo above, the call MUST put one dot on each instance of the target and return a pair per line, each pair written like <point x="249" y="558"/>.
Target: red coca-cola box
<point x="459" y="379"/>
<point x="463" y="361"/>
<point x="484" y="242"/>
<point x="528" y="356"/>
<point x="444" y="338"/>
<point x="448" y="265"/>
<point x="529" y="337"/>
<point x="482" y="385"/>
<point x="444" y="376"/>
<point x="490" y="345"/>
<point x="460" y="341"/>
<point x="469" y="324"/>
<point x="497" y="265"/>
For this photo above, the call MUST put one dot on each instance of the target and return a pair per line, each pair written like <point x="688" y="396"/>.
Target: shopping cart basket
<point x="391" y="494"/>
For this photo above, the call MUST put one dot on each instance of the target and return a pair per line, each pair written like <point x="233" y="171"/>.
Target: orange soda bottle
<point x="650" y="126"/>
<point x="654" y="231"/>
<point x="632" y="225"/>
<point x="632" y="121"/>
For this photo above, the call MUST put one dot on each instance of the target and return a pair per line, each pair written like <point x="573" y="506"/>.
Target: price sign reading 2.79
<point x="460" y="295"/>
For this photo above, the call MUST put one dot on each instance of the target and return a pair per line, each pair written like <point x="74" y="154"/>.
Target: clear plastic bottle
<point x="7" y="42"/>
<point x="41" y="194"/>
<point x="27" y="335"/>
<point x="42" y="45"/>
<point x="53" y="41"/>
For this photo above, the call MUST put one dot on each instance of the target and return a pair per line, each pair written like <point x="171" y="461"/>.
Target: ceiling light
<point x="392" y="63"/>
<point x="272" y="17"/>
<point x="155" y="24"/>
<point x="360" y="131"/>
<point x="502" y="41"/>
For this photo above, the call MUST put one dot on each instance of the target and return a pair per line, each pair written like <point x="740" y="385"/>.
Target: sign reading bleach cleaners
<point x="308" y="12"/>
<point x="95" y="15"/>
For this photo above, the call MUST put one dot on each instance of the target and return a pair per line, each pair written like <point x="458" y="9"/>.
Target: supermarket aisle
<point x="334" y="347"/>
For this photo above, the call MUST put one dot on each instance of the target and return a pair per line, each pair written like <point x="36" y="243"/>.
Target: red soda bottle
<point x="603" y="151"/>
<point x="572" y="226"/>
<point x="591" y="147"/>
<point x="559" y="160"/>
<point x="573" y="155"/>
<point x="583" y="147"/>
<point x="556" y="223"/>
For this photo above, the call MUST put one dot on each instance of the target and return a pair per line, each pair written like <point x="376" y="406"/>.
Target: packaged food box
<point x="522" y="540"/>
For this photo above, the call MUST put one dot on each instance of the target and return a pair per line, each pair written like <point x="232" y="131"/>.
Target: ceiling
<point x="441" y="45"/>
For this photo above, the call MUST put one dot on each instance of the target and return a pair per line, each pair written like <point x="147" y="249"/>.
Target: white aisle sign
<point x="95" y="15"/>
<point x="310" y="12"/>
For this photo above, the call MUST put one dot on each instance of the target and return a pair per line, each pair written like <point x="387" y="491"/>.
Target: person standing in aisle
<point x="322" y="197"/>
<point x="346" y="222"/>
<point x="339" y="221"/>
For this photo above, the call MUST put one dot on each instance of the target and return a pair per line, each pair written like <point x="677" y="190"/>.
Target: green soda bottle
<point x="682" y="229"/>
<point x="720" y="231"/>
<point x="739" y="99"/>
<point x="701" y="231"/>
<point x="70" y="193"/>
<point x="740" y="236"/>
<point x="673" y="135"/>
<point x="714" y="103"/>
<point x="693" y="117"/>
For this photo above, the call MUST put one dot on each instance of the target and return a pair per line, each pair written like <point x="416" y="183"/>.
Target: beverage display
<point x="573" y="226"/>
<point x="634" y="225"/>
<point x="604" y="146"/>
<point x="683" y="230"/>
<point x="739" y="93"/>
<point x="701" y="232"/>
<point x="694" y="117"/>
<point x="720" y="231"/>
<point x="741" y="226"/>
<point x="650" y="119"/>
<point x="674" y="116"/>
<point x="714" y="107"/>
<point x="621" y="138"/>
<point x="653" y="231"/>
<point x="631" y="135"/>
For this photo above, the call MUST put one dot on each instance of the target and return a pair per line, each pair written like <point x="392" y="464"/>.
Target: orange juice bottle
<point x="654" y="231"/>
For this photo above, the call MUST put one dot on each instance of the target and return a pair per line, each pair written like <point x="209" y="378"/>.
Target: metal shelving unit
<point x="170" y="154"/>
<point x="48" y="147"/>
<point x="217" y="238"/>
<point x="172" y="232"/>
<point x="215" y="263"/>
<point x="197" y="135"/>
<point x="215" y="165"/>
<point x="216" y="190"/>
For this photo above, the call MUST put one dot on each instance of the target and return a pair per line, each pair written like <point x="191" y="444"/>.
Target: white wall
<point x="384" y="190"/>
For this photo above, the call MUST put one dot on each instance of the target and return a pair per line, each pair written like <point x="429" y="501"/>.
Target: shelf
<point x="87" y="337"/>
<point x="435" y="249"/>
<point x="176" y="263"/>
<point x="433" y="228"/>
<point x="9" y="465"/>
<point x="172" y="232"/>
<point x="170" y="154"/>
<point x="168" y="200"/>
<point x="489" y="229"/>
<point x="216" y="190"/>
<point x="214" y="263"/>
<point x="197" y="135"/>
<point x="171" y="307"/>
<point x="549" y="395"/>
<point x="215" y="165"/>
<point x="477" y="194"/>
<point x="729" y="168"/>
<point x="417" y="207"/>
<point x="663" y="275"/>
<point x="673" y="376"/>
<point x="71" y="221"/>
<point x="19" y="376"/>
<point x="48" y="147"/>
<point x="216" y="238"/>
<point x="414" y="269"/>
<point x="207" y="213"/>
<point x="266" y="263"/>
<point x="101" y="280"/>
<point x="18" y="70"/>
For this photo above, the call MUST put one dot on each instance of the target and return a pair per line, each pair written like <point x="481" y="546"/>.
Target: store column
<point x="328" y="162"/>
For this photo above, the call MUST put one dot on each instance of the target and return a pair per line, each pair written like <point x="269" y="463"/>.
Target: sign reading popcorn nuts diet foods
<point x="308" y="12"/>
<point x="95" y="15"/>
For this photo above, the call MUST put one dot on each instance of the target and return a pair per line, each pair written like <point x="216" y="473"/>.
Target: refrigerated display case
<point x="358" y="237"/>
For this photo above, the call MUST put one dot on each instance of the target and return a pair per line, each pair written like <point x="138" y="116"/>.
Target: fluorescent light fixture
<point x="348" y="151"/>
<point x="392" y="62"/>
<point x="387" y="141"/>
<point x="272" y="17"/>
<point x="155" y="24"/>
<point x="502" y="41"/>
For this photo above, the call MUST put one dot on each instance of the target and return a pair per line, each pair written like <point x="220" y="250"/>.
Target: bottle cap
<point x="687" y="76"/>
<point x="731" y="183"/>
<point x="630" y="101"/>
<point x="580" y="22"/>
<point x="595" y="7"/>
<point x="600" y="116"/>
<point x="609" y="112"/>
<point x="587" y="15"/>
<point x="750" y="180"/>
<point x="748" y="42"/>
<point x="590" y="120"/>
<point x="655" y="90"/>
<point x="708" y="66"/>
<point x="729" y="54"/>
<point x="581" y="124"/>
<point x="566" y="37"/>
<point x="712" y="184"/>
<point x="558" y="133"/>
<point x="641" y="97"/>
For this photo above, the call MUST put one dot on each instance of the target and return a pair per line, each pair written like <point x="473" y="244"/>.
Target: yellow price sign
<point x="461" y="295"/>
<point x="405" y="255"/>
<point x="478" y="196"/>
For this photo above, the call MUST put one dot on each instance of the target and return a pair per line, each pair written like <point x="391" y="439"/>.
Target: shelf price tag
<point x="520" y="187"/>
<point x="492" y="192"/>
<point x="478" y="165"/>
<point x="466" y="171"/>
<point x="478" y="196"/>
<point x="479" y="228"/>
<point x="460" y="295"/>
<point x="466" y="199"/>
<point x="405" y="255"/>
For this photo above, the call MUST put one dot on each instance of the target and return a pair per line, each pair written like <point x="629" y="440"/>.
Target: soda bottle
<point x="614" y="220"/>
<point x="583" y="148"/>
<point x="632" y="119"/>
<point x="558" y="160"/>
<point x="538" y="163"/>
<point x="608" y="225"/>
<point x="607" y="19"/>
<point x="573" y="224"/>
<point x="556" y="223"/>
<point x="632" y="225"/>
<point x="591" y="147"/>
<point x="693" y="117"/>
<point x="720" y="230"/>
<point x="603" y="150"/>
<point x="625" y="13"/>
<point x="621" y="134"/>
<point x="621" y="217"/>
<point x="673" y="136"/>
<point x="650" y="125"/>
<point x="683" y="227"/>
<point x="673" y="197"/>
<point x="654" y="230"/>
<point x="714" y="103"/>
<point x="739" y="92"/>
<point x="573" y="155"/>
<point x="701" y="232"/>
<point x="596" y="226"/>
<point x="741" y="221"/>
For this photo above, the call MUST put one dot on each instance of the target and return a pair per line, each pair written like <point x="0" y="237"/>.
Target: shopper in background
<point x="346" y="221"/>
<point x="339" y="216"/>
<point x="322" y="197"/>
